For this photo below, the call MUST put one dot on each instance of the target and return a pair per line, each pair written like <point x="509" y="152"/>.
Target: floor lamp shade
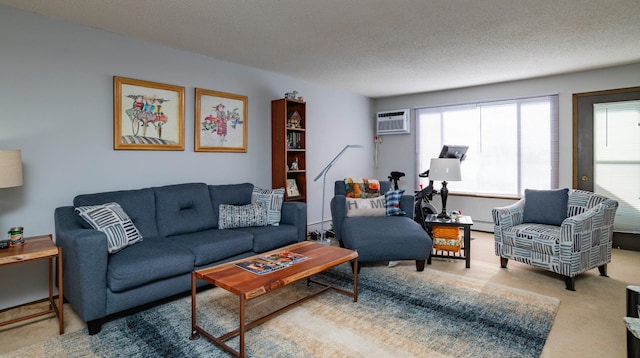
<point x="10" y="168"/>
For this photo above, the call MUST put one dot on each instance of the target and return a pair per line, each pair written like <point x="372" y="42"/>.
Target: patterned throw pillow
<point x="366" y="207"/>
<point x="111" y="219"/>
<point x="392" y="198"/>
<point x="368" y="188"/>
<point x="272" y="199"/>
<point x="235" y="216"/>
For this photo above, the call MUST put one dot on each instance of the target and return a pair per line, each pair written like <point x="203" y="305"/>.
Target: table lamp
<point x="444" y="169"/>
<point x="10" y="168"/>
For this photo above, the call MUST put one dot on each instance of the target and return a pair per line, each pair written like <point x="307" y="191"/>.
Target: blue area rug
<point x="399" y="313"/>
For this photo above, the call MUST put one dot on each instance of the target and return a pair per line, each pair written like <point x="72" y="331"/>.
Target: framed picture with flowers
<point x="220" y="122"/>
<point x="147" y="115"/>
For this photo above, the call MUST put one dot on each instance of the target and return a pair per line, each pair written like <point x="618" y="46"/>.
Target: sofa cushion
<point x="184" y="208"/>
<point x="366" y="207"/>
<point x="148" y="261"/>
<point x="545" y="206"/>
<point x="113" y="222"/>
<point x="392" y="199"/>
<point x="213" y="245"/>
<point x="140" y="206"/>
<point x="234" y="216"/>
<point x="270" y="237"/>
<point x="232" y="194"/>
<point x="272" y="199"/>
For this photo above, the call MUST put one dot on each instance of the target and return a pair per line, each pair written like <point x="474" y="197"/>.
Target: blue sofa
<point x="179" y="226"/>
<point x="380" y="238"/>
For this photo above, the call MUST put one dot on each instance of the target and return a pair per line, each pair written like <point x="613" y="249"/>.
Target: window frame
<point x="551" y="99"/>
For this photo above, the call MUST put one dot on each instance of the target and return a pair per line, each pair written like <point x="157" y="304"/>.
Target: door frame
<point x="583" y="144"/>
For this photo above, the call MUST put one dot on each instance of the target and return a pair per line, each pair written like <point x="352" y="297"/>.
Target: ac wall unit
<point x="393" y="122"/>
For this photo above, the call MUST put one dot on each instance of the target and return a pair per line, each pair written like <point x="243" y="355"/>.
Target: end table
<point x="37" y="248"/>
<point x="464" y="222"/>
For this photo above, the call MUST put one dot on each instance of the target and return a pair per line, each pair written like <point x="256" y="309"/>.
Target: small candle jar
<point x="15" y="235"/>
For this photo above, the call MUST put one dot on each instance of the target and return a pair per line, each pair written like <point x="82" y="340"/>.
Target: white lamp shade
<point x="10" y="168"/>
<point x="445" y="169"/>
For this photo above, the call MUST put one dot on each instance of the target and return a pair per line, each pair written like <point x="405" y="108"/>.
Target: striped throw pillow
<point x="272" y="199"/>
<point x="111" y="219"/>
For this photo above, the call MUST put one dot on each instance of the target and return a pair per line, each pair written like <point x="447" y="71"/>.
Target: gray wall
<point x="397" y="152"/>
<point x="56" y="100"/>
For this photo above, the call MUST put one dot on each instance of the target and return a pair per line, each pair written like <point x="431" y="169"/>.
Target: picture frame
<point x="220" y="123"/>
<point x="147" y="115"/>
<point x="292" y="188"/>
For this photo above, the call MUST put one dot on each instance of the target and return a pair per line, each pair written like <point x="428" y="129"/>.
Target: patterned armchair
<point x="536" y="231"/>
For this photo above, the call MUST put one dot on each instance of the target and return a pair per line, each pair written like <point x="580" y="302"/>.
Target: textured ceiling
<point x="378" y="48"/>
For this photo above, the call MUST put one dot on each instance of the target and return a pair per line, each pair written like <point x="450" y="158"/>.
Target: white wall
<point x="56" y="100"/>
<point x="398" y="152"/>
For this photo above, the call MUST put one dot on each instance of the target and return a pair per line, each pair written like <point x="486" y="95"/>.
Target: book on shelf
<point x="293" y="139"/>
<point x="269" y="263"/>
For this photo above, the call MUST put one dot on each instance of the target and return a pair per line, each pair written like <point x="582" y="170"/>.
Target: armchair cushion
<point x="545" y="206"/>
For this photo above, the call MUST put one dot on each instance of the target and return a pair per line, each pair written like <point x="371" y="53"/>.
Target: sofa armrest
<point x="295" y="213"/>
<point x="84" y="264"/>
<point x="338" y="213"/>
<point x="508" y="216"/>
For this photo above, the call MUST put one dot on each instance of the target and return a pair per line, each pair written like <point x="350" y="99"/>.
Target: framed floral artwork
<point x="220" y="122"/>
<point x="147" y="115"/>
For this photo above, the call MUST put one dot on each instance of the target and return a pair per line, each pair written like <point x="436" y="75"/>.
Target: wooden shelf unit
<point x="288" y="145"/>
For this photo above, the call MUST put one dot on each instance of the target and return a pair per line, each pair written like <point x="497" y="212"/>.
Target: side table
<point x="37" y="248"/>
<point x="464" y="222"/>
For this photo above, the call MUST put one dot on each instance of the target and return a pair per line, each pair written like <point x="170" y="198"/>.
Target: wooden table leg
<point x="194" y="323"/>
<point x="60" y="293"/>
<point x="467" y="246"/>
<point x="243" y="302"/>
<point x="355" y="280"/>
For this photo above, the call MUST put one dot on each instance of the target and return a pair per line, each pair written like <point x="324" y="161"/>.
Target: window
<point x="513" y="144"/>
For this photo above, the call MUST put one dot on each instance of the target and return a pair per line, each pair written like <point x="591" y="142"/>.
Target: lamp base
<point x="324" y="241"/>
<point x="444" y="216"/>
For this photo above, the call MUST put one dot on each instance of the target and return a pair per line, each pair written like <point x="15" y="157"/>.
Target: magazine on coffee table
<point x="270" y="263"/>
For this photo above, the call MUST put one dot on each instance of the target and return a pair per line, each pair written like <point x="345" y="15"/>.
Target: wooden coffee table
<point x="247" y="285"/>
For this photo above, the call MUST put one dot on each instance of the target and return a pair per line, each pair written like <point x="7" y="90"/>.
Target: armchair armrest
<point x="407" y="205"/>
<point x="577" y="234"/>
<point x="508" y="216"/>
<point x="84" y="263"/>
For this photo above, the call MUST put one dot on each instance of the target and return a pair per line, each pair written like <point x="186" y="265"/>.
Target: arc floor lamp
<point x="323" y="174"/>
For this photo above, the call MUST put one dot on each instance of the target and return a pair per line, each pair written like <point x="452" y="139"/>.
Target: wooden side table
<point x="37" y="248"/>
<point x="464" y="222"/>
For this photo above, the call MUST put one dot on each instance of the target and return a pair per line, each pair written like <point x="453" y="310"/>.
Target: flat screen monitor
<point x="454" y="151"/>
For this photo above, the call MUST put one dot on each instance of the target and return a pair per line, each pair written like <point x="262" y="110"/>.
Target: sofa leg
<point x="94" y="326"/>
<point x="570" y="282"/>
<point x="503" y="262"/>
<point x="603" y="270"/>
<point x="420" y="265"/>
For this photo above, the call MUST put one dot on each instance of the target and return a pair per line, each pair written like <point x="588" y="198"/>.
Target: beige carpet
<point x="588" y="324"/>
